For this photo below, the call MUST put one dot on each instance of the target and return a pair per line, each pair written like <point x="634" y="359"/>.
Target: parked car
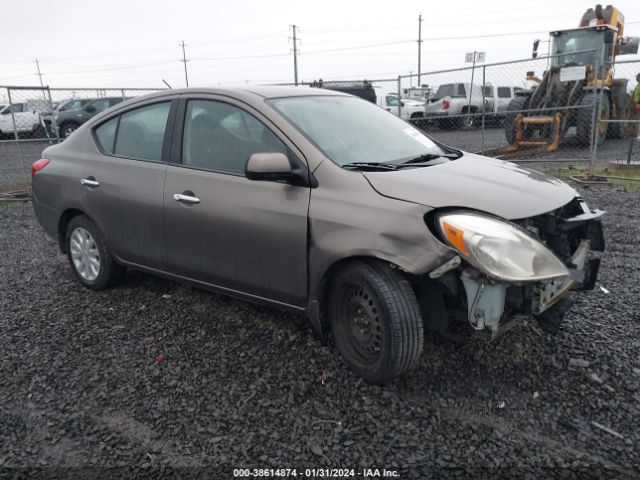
<point x="67" y="121"/>
<point x="409" y="108"/>
<point x="63" y="106"/>
<point x="25" y="114"/>
<point x="322" y="204"/>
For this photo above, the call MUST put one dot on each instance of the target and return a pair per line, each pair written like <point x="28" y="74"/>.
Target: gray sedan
<point x="322" y="204"/>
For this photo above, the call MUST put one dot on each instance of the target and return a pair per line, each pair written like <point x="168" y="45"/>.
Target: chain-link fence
<point x="31" y="118"/>
<point x="547" y="108"/>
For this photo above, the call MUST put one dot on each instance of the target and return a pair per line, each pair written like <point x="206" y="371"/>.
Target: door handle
<point x="90" y="182"/>
<point x="188" y="199"/>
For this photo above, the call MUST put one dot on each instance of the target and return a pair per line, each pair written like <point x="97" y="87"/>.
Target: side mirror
<point x="402" y="104"/>
<point x="269" y="166"/>
<point x="275" y="167"/>
<point x="90" y="109"/>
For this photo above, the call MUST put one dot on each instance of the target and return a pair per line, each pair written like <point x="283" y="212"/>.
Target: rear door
<point x="235" y="233"/>
<point x="123" y="181"/>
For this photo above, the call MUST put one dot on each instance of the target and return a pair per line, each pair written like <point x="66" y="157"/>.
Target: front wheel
<point x="376" y="322"/>
<point x="89" y="256"/>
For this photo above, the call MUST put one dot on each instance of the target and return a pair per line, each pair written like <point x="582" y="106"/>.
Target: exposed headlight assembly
<point x="501" y="250"/>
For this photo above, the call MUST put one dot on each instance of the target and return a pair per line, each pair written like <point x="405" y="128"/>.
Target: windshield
<point x="349" y="129"/>
<point x="572" y="41"/>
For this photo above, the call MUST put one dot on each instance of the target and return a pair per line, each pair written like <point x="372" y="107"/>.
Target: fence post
<point x="484" y="104"/>
<point x="122" y="92"/>
<point x="399" y="93"/>
<point x="16" y="137"/>
<point x="596" y="110"/>
<point x="55" y="130"/>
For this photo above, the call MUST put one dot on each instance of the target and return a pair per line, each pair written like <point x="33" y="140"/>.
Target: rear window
<point x="444" y="91"/>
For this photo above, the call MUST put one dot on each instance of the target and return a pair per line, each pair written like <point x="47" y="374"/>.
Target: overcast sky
<point x="118" y="43"/>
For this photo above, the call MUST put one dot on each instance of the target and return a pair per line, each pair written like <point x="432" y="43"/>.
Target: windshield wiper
<point x="370" y="166"/>
<point x="428" y="159"/>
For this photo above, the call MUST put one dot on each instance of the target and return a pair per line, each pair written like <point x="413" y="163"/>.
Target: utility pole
<point x="184" y="60"/>
<point x="40" y="75"/>
<point x="294" y="28"/>
<point x="419" y="47"/>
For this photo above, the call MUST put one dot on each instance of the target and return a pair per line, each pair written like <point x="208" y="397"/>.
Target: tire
<point x="376" y="322"/>
<point x="469" y="119"/>
<point x="418" y="121"/>
<point x="67" y="128"/>
<point x="509" y="121"/>
<point x="623" y="112"/>
<point x="82" y="256"/>
<point x="584" y="120"/>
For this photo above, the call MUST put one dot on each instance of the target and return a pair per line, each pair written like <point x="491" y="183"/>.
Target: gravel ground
<point x="85" y="393"/>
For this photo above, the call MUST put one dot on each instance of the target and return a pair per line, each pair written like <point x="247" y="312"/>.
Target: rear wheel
<point x="67" y="128"/>
<point x="376" y="322"/>
<point x="584" y="123"/>
<point x="89" y="256"/>
<point x="514" y="107"/>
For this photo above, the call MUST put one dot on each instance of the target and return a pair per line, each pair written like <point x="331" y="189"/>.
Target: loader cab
<point x="574" y="45"/>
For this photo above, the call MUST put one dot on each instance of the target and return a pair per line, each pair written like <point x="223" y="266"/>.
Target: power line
<point x="184" y="60"/>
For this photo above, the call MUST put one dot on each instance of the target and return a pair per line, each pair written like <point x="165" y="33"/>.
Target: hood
<point x="481" y="183"/>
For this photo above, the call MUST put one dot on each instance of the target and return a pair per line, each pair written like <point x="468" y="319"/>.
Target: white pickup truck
<point x="456" y="105"/>
<point x="26" y="115"/>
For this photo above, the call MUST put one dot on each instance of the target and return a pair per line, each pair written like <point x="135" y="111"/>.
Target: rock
<point x="596" y="378"/>
<point x="579" y="363"/>
<point x="316" y="449"/>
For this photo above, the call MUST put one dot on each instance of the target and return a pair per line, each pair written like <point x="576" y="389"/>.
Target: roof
<point x="265" y="91"/>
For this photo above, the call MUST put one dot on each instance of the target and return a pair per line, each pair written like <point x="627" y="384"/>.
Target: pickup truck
<point x="26" y="115"/>
<point x="449" y="106"/>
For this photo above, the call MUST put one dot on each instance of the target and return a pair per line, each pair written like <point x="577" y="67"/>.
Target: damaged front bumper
<point x="495" y="306"/>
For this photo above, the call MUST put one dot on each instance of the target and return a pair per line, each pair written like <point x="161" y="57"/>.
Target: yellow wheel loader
<point x="571" y="88"/>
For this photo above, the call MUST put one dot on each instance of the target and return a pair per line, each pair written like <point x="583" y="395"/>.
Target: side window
<point x="17" y="108"/>
<point x="221" y="137"/>
<point x="392" y="101"/>
<point x="141" y="132"/>
<point x="106" y="134"/>
<point x="100" y="105"/>
<point x="461" y="90"/>
<point x="504" y="92"/>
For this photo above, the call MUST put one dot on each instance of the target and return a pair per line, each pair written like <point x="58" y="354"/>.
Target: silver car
<point x="322" y="204"/>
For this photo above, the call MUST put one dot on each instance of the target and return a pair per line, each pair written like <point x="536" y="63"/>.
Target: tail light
<point x="445" y="104"/>
<point x="39" y="165"/>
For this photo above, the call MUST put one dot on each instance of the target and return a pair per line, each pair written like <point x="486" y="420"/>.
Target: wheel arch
<point x="63" y="222"/>
<point x="317" y="307"/>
